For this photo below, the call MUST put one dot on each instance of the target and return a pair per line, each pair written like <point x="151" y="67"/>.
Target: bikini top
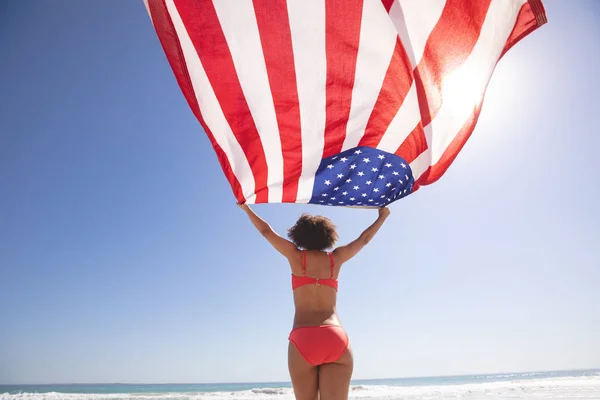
<point x="298" y="281"/>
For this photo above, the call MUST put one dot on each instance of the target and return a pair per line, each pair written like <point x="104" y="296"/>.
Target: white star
<point x="388" y="165"/>
<point x="360" y="202"/>
<point x="361" y="173"/>
<point x="381" y="176"/>
<point x="364" y="195"/>
<point x="403" y="165"/>
<point x="327" y="182"/>
<point x="328" y="204"/>
<point x="324" y="195"/>
<point x="330" y="166"/>
<point x="376" y="190"/>
<point x="344" y="193"/>
<point x="348" y="180"/>
<point x="374" y="169"/>
<point x="333" y="198"/>
<point x="400" y="180"/>
<point x="388" y="184"/>
<point x="343" y="159"/>
<point x="395" y="173"/>
<point x="370" y="200"/>
<point x="352" y="199"/>
<point x="341" y="202"/>
<point x="392" y="189"/>
<point x="340" y="176"/>
<point x="321" y="201"/>
<point x="353" y="166"/>
<point x="366" y="160"/>
<point x="357" y="152"/>
<point x="369" y="182"/>
<point x="382" y="196"/>
<point x="381" y="156"/>
<point x="355" y="188"/>
<point x="336" y="188"/>
<point x="334" y="157"/>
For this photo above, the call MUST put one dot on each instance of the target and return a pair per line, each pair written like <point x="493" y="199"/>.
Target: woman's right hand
<point x="384" y="212"/>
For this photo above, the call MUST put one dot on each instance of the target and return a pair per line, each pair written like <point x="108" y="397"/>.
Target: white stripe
<point x="239" y="25"/>
<point x="463" y="89"/>
<point x="420" y="164"/>
<point x="403" y="123"/>
<point x="307" y="25"/>
<point x="376" y="47"/>
<point x="414" y="21"/>
<point x="211" y="110"/>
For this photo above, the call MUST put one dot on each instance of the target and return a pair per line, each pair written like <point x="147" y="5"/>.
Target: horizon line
<point x="289" y="382"/>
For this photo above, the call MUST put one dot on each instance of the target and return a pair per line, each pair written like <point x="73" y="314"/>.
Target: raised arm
<point x="344" y="253"/>
<point x="284" y="246"/>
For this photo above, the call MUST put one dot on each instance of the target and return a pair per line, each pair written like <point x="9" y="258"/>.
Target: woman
<point x="319" y="355"/>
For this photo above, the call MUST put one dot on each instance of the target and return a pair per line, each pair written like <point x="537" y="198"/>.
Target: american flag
<point x="337" y="102"/>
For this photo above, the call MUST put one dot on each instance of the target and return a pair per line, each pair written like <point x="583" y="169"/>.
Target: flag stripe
<point x="239" y="26"/>
<point x="343" y="21"/>
<point x="531" y="16"/>
<point x="414" y="21"/>
<point x="307" y="24"/>
<point x="203" y="101"/>
<point x="275" y="34"/>
<point x="394" y="91"/>
<point x="387" y="4"/>
<point x="378" y="39"/>
<point x="202" y="25"/>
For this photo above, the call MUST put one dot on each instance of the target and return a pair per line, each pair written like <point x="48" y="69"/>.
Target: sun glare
<point x="462" y="89"/>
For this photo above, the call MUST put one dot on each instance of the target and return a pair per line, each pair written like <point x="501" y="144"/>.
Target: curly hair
<point x="313" y="232"/>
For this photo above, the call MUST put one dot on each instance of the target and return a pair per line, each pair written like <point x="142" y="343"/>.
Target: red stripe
<point x="202" y="24"/>
<point x="171" y="46"/>
<point x="276" y="38"/>
<point x="342" y="35"/>
<point x="447" y="48"/>
<point x="388" y="4"/>
<point x="396" y="85"/>
<point x="531" y="16"/>
<point x="413" y="145"/>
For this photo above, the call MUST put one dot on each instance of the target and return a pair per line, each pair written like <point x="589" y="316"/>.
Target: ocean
<point x="532" y="385"/>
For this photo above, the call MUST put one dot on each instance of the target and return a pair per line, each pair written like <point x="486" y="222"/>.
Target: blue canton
<point x="362" y="177"/>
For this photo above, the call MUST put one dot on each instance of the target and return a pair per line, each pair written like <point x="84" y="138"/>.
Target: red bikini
<point x="298" y="281"/>
<point x="324" y="343"/>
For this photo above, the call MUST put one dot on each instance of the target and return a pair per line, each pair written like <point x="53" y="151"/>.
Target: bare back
<point x="315" y="304"/>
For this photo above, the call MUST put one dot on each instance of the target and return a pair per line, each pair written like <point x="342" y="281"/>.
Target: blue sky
<point x="123" y="257"/>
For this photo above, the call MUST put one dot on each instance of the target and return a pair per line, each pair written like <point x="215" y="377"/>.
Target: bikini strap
<point x="332" y="263"/>
<point x="304" y="263"/>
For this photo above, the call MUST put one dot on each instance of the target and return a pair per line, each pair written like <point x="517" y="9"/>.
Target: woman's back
<point x="314" y="282"/>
